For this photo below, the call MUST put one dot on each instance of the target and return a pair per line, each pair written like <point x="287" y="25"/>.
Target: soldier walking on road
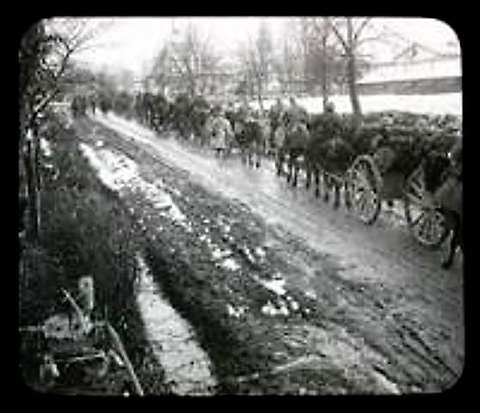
<point x="220" y="132"/>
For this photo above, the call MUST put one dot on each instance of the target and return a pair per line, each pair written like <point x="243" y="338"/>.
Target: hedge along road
<point x="397" y="298"/>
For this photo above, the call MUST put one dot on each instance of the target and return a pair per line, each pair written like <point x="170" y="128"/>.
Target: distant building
<point x="431" y="75"/>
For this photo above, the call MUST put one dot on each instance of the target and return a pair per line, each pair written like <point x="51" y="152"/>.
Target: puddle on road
<point x="187" y="367"/>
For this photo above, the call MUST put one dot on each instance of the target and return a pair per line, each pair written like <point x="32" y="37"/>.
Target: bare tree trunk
<point x="37" y="175"/>
<point x="324" y="80"/>
<point x="353" y="93"/>
<point x="352" y="85"/>
<point x="32" y="226"/>
<point x="352" y="75"/>
<point x="260" y="92"/>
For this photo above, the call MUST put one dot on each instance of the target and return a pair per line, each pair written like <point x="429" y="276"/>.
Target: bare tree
<point x="256" y="59"/>
<point x="45" y="57"/>
<point x="160" y="69"/>
<point x="322" y="61"/>
<point x="193" y="60"/>
<point x="349" y="32"/>
<point x="310" y="55"/>
<point x="289" y="64"/>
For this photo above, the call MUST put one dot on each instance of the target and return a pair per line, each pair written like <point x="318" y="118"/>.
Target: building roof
<point x="410" y="70"/>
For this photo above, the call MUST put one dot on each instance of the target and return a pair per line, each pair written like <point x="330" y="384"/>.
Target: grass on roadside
<point x="85" y="231"/>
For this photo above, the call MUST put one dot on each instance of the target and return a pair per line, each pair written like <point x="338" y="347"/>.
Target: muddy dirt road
<point x="395" y="318"/>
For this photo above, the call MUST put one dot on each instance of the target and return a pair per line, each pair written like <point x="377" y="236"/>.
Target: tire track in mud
<point x="408" y="341"/>
<point x="397" y="340"/>
<point x="416" y="365"/>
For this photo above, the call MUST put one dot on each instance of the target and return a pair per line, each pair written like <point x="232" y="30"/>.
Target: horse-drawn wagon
<point x="394" y="169"/>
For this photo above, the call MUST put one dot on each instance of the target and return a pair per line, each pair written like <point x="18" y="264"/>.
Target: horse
<point x="148" y="110"/>
<point x="296" y="142"/>
<point x="253" y="142"/>
<point x="199" y="112"/>
<point x="248" y="136"/>
<point x="278" y="147"/>
<point x="181" y="115"/>
<point x="444" y="182"/>
<point x="328" y="154"/>
<point x="105" y="103"/>
<point x="159" y="110"/>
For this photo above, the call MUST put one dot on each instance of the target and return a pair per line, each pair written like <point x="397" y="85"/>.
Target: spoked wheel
<point x="362" y="191"/>
<point x="428" y="225"/>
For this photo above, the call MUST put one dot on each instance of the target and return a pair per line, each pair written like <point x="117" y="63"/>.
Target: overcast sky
<point x="132" y="42"/>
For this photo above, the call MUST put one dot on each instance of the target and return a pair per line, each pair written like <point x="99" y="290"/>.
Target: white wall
<point x="414" y="70"/>
<point x="447" y="103"/>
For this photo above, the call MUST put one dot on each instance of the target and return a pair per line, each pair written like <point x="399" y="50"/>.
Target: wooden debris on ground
<point x="75" y="355"/>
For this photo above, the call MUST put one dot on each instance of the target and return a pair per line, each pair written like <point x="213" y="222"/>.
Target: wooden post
<point x="123" y="353"/>
<point x="86" y="294"/>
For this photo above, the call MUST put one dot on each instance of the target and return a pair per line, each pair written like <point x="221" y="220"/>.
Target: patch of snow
<point x="284" y="309"/>
<point x="236" y="312"/>
<point x="45" y="147"/>
<point x="311" y="294"/>
<point x="275" y="285"/>
<point x="175" y="213"/>
<point x="217" y="253"/>
<point x="104" y="174"/>
<point x="294" y="305"/>
<point x="173" y="341"/>
<point x="272" y="310"/>
<point x="269" y="309"/>
<point x="248" y="254"/>
<point x="119" y="172"/>
<point x="230" y="264"/>
<point x="99" y="144"/>
<point x="260" y="252"/>
<point x="389" y="386"/>
<point x="176" y="192"/>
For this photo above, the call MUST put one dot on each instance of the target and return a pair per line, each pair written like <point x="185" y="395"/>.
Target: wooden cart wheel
<point x="363" y="187"/>
<point x="428" y="225"/>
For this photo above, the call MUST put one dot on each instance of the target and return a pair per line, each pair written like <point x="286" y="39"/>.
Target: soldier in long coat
<point x="220" y="132"/>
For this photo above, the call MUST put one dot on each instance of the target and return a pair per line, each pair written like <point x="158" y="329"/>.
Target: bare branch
<point x="363" y="24"/>
<point x="337" y="33"/>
